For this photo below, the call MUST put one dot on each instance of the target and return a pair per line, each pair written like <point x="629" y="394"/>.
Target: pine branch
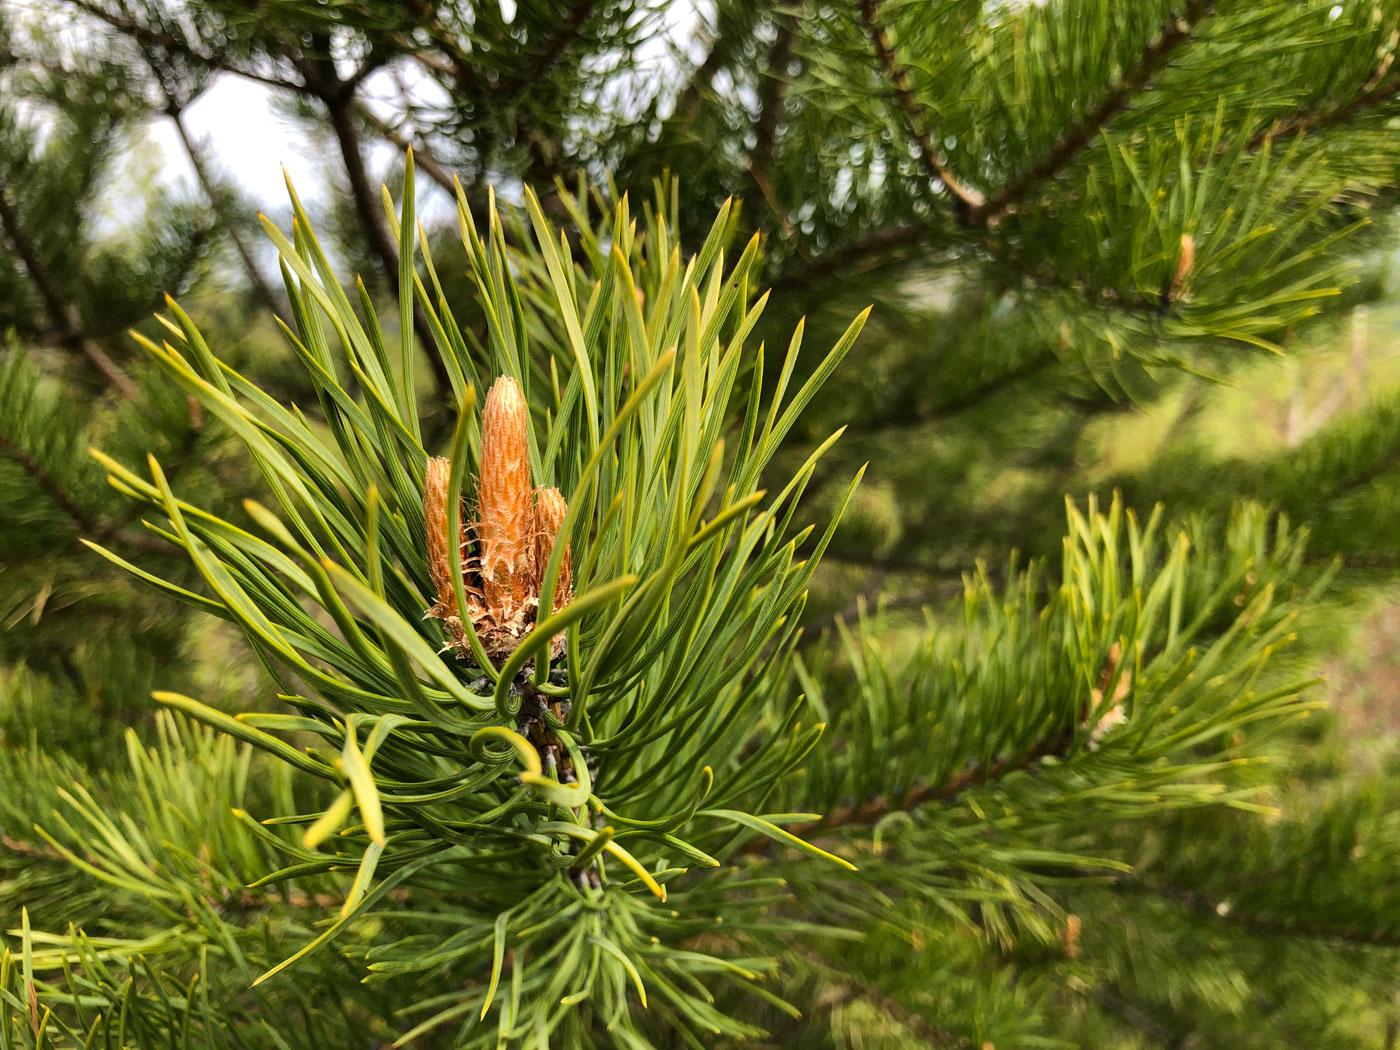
<point x="1137" y="1017"/>
<point x="369" y="66"/>
<point x="342" y="108"/>
<point x="772" y="104"/>
<point x="70" y="507"/>
<point x="849" y="258"/>
<point x="423" y="160"/>
<point x="868" y="814"/>
<point x="970" y="201"/>
<point x="143" y="33"/>
<point x="61" y="313"/>
<point x="964" y="402"/>
<point x="772" y="97"/>
<point x="217" y="202"/>
<point x="510" y="89"/>
<point x="845" y="990"/>
<point x="1347" y="937"/>
<point x="1376" y="470"/>
<point x="1118" y="98"/>
<point x="723" y="47"/>
<point x="455" y="62"/>
<point x="1380" y="90"/>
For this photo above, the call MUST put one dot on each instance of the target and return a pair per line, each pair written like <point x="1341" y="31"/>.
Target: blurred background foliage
<point x="1137" y="247"/>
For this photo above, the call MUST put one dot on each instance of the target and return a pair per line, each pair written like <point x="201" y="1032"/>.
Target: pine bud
<point x="514" y="535"/>
<point x="1184" y="262"/>
<point x="1113" y="715"/>
<point x="505" y="518"/>
<point x="550" y="509"/>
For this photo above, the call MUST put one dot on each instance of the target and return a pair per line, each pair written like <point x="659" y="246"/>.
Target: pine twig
<point x="145" y="34"/>
<point x="1115" y="101"/>
<point x="723" y="49"/>
<point x="867" y="814"/>
<point x="64" y="319"/>
<point x="1137" y="1017"/>
<point x="964" y="402"/>
<point x="844" y="991"/>
<point x="970" y="201"/>
<point x="70" y="507"/>
<point x="772" y="105"/>
<point x="1349" y="937"/>
<point x="872" y="248"/>
<point x="423" y="160"/>
<point x="216" y="201"/>
<point x="1382" y="90"/>
<point x="555" y="45"/>
<point x="343" y="111"/>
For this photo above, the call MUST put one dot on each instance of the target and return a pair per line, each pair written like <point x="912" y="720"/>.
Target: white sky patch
<point x="235" y="127"/>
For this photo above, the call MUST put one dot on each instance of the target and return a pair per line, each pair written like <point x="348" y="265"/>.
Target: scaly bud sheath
<point x="505" y="518"/>
<point x="550" y="509"/>
<point x="439" y="554"/>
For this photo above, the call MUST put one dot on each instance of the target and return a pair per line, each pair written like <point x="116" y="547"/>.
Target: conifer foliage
<point x="524" y="596"/>
<point x="540" y="793"/>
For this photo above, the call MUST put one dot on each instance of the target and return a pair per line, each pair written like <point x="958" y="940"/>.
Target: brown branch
<point x="70" y="507"/>
<point x="1382" y="89"/>
<point x="217" y="202"/>
<point x="510" y="89"/>
<point x="454" y="62"/>
<point x="62" y="315"/>
<point x="873" y="247"/>
<point x="964" y="402"/>
<point x="976" y="210"/>
<point x="1378" y="469"/>
<point x="369" y="66"/>
<point x="1285" y="926"/>
<point x="1136" y="1016"/>
<point x="843" y="990"/>
<point x="772" y="104"/>
<point x="145" y="34"/>
<point x="1118" y="98"/>
<point x="724" y="46"/>
<point x="970" y="201"/>
<point x="423" y="160"/>
<point x="867" y="814"/>
<point x="343" y="112"/>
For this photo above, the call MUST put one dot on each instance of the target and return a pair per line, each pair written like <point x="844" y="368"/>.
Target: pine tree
<point x="590" y="710"/>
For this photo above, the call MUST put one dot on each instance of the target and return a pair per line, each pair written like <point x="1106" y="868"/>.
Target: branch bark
<point x="1382" y="89"/>
<point x="1285" y="926"/>
<point x="342" y="107"/>
<point x="555" y="45"/>
<point x="70" y="507"/>
<point x="969" y="201"/>
<point x="216" y="201"/>
<point x="867" y="814"/>
<point x="1118" y="98"/>
<point x="772" y="104"/>
<point x="872" y="248"/>
<point x="145" y="34"/>
<point x="62" y="314"/>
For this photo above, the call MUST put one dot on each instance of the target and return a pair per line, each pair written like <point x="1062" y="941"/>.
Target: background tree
<point x="1073" y="219"/>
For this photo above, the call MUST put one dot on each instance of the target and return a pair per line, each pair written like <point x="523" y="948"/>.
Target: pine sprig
<point x="686" y="592"/>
